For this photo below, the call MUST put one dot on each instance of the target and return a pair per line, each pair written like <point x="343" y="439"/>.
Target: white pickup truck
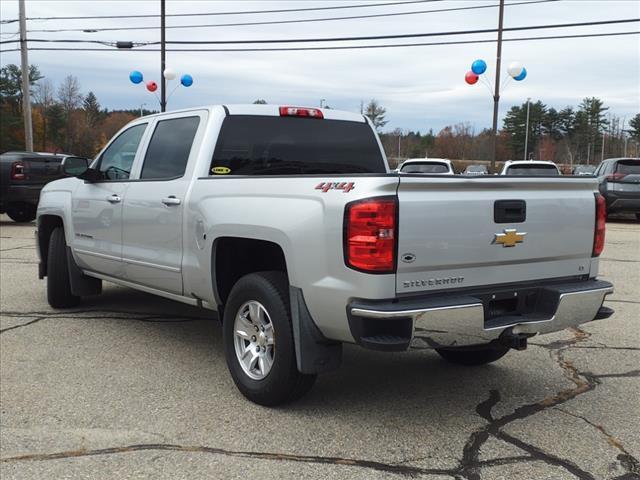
<point x="289" y="224"/>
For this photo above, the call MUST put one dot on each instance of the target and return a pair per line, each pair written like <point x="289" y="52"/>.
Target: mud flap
<point x="314" y="353"/>
<point x="81" y="284"/>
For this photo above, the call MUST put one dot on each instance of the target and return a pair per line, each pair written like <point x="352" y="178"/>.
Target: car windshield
<point x="477" y="168"/>
<point x="425" y="167"/>
<point x="628" y="167"/>
<point x="535" y="169"/>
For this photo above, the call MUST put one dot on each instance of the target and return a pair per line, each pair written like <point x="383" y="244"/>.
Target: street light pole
<point x="24" y="65"/>
<point x="496" y="95"/>
<point x="526" y="133"/>
<point x="163" y="81"/>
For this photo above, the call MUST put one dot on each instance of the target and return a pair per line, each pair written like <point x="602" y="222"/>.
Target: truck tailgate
<point x="454" y="232"/>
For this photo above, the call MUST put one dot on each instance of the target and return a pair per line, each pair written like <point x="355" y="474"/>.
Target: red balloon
<point x="471" y="77"/>
<point x="153" y="86"/>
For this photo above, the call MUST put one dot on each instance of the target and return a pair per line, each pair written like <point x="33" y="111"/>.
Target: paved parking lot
<point x="133" y="386"/>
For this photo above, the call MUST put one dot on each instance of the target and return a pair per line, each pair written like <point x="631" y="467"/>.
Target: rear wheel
<point x="477" y="355"/>
<point x="58" y="284"/>
<point x="21" y="212"/>
<point x="258" y="340"/>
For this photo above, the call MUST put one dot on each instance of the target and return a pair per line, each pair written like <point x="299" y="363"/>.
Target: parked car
<point x="583" y="170"/>
<point x="22" y="176"/>
<point x="529" y="167"/>
<point x="476" y="170"/>
<point x="285" y="221"/>
<point x="427" y="166"/>
<point x="619" y="181"/>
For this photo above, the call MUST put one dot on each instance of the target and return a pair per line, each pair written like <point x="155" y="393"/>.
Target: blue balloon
<point x="135" y="76"/>
<point x="522" y="76"/>
<point x="186" y="80"/>
<point x="479" y="67"/>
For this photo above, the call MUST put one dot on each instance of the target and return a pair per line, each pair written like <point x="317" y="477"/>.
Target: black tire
<point x="58" y="284"/>
<point x="283" y="383"/>
<point x="21" y="212"/>
<point x="477" y="355"/>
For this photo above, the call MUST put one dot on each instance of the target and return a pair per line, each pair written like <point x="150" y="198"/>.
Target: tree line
<point x="582" y="135"/>
<point x="65" y="120"/>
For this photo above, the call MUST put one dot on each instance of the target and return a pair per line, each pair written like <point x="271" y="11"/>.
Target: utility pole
<point x="526" y="133"/>
<point x="26" y="94"/>
<point x="399" y="138"/>
<point x="163" y="81"/>
<point x="496" y="95"/>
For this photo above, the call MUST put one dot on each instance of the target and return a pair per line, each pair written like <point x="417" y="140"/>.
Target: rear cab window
<point x="425" y="167"/>
<point x="539" y="169"/>
<point x="269" y="145"/>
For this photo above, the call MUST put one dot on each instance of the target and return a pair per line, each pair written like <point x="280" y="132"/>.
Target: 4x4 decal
<point x="346" y="187"/>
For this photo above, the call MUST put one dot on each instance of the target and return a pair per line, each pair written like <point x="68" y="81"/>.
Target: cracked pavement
<point x="129" y="385"/>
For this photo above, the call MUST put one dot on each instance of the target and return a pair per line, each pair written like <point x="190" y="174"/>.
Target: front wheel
<point x="476" y="355"/>
<point x="258" y="340"/>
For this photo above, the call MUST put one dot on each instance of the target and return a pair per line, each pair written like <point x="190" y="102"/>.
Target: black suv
<point x="619" y="180"/>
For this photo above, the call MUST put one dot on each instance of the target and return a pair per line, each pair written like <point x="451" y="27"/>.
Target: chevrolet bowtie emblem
<point x="510" y="237"/>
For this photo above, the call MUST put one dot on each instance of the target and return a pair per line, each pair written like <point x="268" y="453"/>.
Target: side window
<point x="169" y="148"/>
<point x="116" y="160"/>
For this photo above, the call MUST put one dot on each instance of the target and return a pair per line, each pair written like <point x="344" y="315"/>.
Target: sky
<point x="421" y="87"/>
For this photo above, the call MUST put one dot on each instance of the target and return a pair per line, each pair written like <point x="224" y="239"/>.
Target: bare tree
<point x="44" y="99"/>
<point x="70" y="99"/>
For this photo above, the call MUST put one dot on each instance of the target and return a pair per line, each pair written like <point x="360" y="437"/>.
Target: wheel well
<point x="46" y="225"/>
<point x="235" y="257"/>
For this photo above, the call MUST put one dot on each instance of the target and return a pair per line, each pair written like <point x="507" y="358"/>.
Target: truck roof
<point x="270" y="111"/>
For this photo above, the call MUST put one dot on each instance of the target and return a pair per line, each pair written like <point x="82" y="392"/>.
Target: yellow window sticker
<point x="220" y="170"/>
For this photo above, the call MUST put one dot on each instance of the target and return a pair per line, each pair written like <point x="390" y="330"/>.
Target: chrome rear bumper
<point x="451" y="321"/>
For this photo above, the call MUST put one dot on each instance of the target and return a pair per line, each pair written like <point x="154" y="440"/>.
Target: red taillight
<point x="301" y="112"/>
<point x="601" y="221"/>
<point x="370" y="235"/>
<point x="614" y="177"/>
<point x="17" y="171"/>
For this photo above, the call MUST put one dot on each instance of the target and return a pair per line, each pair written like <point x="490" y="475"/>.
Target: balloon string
<point x="506" y="83"/>
<point x="486" y="83"/>
<point x="174" y="89"/>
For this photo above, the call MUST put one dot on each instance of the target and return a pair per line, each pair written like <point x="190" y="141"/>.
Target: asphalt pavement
<point x="129" y="385"/>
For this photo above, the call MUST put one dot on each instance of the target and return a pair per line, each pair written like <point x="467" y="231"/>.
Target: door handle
<point x="114" y="199"/>
<point x="171" y="200"/>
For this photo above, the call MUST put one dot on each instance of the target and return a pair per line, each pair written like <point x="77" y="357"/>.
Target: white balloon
<point x="169" y="73"/>
<point x="515" y="69"/>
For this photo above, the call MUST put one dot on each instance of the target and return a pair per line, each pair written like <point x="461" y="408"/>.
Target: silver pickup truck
<point x="289" y="224"/>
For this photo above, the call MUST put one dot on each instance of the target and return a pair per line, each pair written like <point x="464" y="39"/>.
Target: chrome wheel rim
<point x="254" y="340"/>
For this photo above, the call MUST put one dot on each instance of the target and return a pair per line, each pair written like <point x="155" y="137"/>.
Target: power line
<point x="242" y="12"/>
<point x="345" y="39"/>
<point x="353" y="47"/>
<point x="282" y="22"/>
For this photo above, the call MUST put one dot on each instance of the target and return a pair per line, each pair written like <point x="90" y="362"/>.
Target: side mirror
<point x="75" y="166"/>
<point x="79" y="167"/>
